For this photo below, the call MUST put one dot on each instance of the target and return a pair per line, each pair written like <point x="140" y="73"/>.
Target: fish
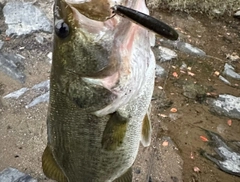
<point x="101" y="85"/>
<point x="146" y="21"/>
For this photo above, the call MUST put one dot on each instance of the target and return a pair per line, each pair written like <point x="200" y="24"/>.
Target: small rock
<point x="227" y="159"/>
<point x="217" y="12"/>
<point x="50" y="57"/>
<point x="40" y="88"/>
<point x="13" y="175"/>
<point x="230" y="71"/>
<point x="137" y="171"/>
<point x="183" y="66"/>
<point x="194" y="91"/>
<point x="226" y="105"/>
<point x="45" y="85"/>
<point x="166" y="54"/>
<point x="39" y="39"/>
<point x="174" y="116"/>
<point x="224" y="80"/>
<point x="16" y="94"/>
<point x="1" y="44"/>
<point x="188" y="48"/>
<point x="237" y="13"/>
<point x="38" y="100"/>
<point x="183" y="47"/>
<point x="24" y="18"/>
<point x="13" y="66"/>
<point x="159" y="71"/>
<point x="233" y="56"/>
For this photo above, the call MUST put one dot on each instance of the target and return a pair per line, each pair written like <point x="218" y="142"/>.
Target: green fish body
<point x="101" y="84"/>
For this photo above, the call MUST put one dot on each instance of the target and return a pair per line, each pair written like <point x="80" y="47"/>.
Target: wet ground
<point x="178" y="113"/>
<point x="218" y="38"/>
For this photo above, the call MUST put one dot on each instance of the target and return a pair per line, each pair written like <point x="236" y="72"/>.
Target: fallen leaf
<point x="203" y="138"/>
<point x="196" y="169"/>
<point x="165" y="143"/>
<point x="212" y="94"/>
<point x="229" y="122"/>
<point x="173" y="110"/>
<point x="191" y="73"/>
<point x="162" y="115"/>
<point x="217" y="73"/>
<point x="182" y="71"/>
<point x="175" y="74"/>
<point x="191" y="156"/>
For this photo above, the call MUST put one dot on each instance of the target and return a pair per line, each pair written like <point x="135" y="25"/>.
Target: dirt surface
<point x="23" y="131"/>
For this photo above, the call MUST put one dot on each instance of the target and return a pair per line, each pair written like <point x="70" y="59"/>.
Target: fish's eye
<point x="61" y="29"/>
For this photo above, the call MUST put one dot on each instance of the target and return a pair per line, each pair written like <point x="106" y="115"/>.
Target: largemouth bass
<point x="101" y="84"/>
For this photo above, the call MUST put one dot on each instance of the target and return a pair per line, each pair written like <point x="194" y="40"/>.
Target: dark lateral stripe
<point x="146" y="21"/>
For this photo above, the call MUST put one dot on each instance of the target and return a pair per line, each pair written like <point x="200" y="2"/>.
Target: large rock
<point x="13" y="175"/>
<point x="13" y="66"/>
<point x="25" y="18"/>
<point x="227" y="105"/>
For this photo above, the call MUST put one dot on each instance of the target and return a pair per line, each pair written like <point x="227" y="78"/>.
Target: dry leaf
<point x="162" y="115"/>
<point x="196" y="169"/>
<point x="203" y="138"/>
<point x="216" y="73"/>
<point x="173" y="110"/>
<point x="165" y="143"/>
<point x="229" y="122"/>
<point x="191" y="156"/>
<point x="191" y="73"/>
<point x="212" y="94"/>
<point x="175" y="74"/>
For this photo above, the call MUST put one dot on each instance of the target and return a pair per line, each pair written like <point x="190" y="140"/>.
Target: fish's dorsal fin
<point x="114" y="131"/>
<point x="126" y="177"/>
<point x="146" y="131"/>
<point x="50" y="167"/>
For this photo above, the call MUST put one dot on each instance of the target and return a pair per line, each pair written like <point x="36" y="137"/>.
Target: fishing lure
<point x="146" y="21"/>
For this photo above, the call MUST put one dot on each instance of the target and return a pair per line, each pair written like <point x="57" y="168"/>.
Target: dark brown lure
<point x="146" y="21"/>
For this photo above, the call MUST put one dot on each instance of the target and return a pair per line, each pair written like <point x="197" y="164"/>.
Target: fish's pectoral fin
<point x="50" y="167"/>
<point x="114" y="131"/>
<point x="126" y="177"/>
<point x="146" y="131"/>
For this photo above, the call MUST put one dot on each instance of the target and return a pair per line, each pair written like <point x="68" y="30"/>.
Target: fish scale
<point x="109" y="162"/>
